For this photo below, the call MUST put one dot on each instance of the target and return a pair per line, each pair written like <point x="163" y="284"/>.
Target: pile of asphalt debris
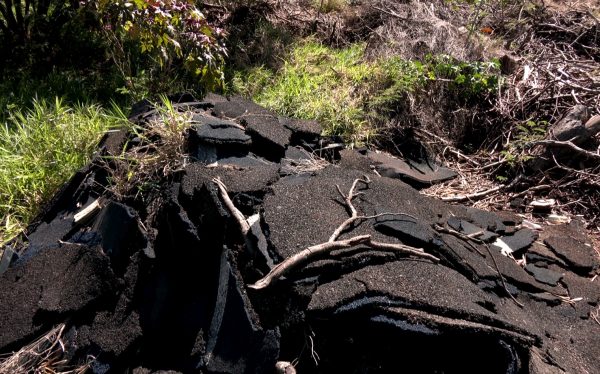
<point x="170" y="282"/>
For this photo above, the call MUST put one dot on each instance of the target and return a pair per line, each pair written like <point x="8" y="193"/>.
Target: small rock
<point x="415" y="173"/>
<point x="519" y="241"/>
<point x="575" y="253"/>
<point x="557" y="219"/>
<point x="542" y="205"/>
<point x="542" y="275"/>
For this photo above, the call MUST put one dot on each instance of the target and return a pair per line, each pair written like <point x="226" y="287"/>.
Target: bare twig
<point x="571" y="146"/>
<point x="468" y="239"/>
<point x="42" y="356"/>
<point x="482" y="194"/>
<point x="333" y="243"/>
<point x="309" y="253"/>
<point x="305" y="256"/>
<point x="353" y="212"/>
<point x="239" y="217"/>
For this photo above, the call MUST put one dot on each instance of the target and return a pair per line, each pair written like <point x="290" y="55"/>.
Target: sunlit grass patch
<point x="40" y="149"/>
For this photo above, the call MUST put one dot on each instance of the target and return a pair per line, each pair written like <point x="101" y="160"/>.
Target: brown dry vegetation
<point x="550" y="60"/>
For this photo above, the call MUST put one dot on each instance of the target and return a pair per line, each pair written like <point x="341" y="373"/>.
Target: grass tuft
<point x="40" y="148"/>
<point x="352" y="96"/>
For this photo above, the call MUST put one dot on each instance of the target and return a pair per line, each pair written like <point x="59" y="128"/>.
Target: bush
<point x="39" y="150"/>
<point x="167" y="33"/>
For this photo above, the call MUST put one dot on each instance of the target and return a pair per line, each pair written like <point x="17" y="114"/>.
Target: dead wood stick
<point x="307" y="254"/>
<point x="88" y="212"/>
<point x="570" y="145"/>
<point x="340" y="229"/>
<point x="467" y="239"/>
<point x="348" y="201"/>
<point x="481" y="194"/>
<point x="395" y="247"/>
<point x="239" y="217"/>
<point x="353" y="212"/>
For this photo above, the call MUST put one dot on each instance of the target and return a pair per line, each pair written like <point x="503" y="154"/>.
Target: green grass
<point x="40" y="148"/>
<point x="350" y="95"/>
<point x="315" y="82"/>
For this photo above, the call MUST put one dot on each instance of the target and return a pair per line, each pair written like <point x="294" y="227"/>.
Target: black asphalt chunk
<point x="350" y="159"/>
<point x="468" y="261"/>
<point x="297" y="153"/>
<point x="159" y="279"/>
<point x="414" y="284"/>
<point x="416" y="173"/>
<point x="214" y="98"/>
<point x="468" y="228"/>
<point x="542" y="275"/>
<point x="246" y="175"/>
<point x="540" y="253"/>
<point x="61" y="281"/>
<point x="407" y="229"/>
<point x="269" y="137"/>
<point x="579" y="256"/>
<point x="221" y="132"/>
<point x="120" y="233"/>
<point x="520" y="240"/>
<point x="306" y="131"/>
<point x="515" y="275"/>
<point x="237" y="107"/>
<point x="113" y="142"/>
<point x="305" y="212"/>
<point x="240" y="334"/>
<point x="487" y="220"/>
<point x="586" y="293"/>
<point x="113" y="334"/>
<point x="582" y="287"/>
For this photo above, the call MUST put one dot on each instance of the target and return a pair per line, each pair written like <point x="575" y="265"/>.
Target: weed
<point x="40" y="149"/>
<point x="351" y="96"/>
<point x="525" y="133"/>
<point x="159" y="154"/>
<point x="327" y="6"/>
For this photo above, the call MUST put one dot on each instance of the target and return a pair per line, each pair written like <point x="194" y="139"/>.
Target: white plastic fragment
<point x="88" y="211"/>
<point x="558" y="219"/>
<point x="504" y="248"/>
<point x="284" y="367"/>
<point x="543" y="203"/>
<point x="531" y="225"/>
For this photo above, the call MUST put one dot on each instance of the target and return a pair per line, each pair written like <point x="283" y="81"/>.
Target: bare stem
<point x="307" y="254"/>
<point x="304" y="257"/>
<point x="239" y="217"/>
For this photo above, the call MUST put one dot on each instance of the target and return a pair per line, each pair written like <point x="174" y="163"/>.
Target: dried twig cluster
<point x="42" y="356"/>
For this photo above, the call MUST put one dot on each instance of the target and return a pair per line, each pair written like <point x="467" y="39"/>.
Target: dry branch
<point x="306" y="255"/>
<point x="239" y="217"/>
<point x="571" y="146"/>
<point x="332" y="244"/>
<point x="42" y="356"/>
<point x="481" y="194"/>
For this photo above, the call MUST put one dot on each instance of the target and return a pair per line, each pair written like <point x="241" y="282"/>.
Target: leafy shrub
<point x="167" y="32"/>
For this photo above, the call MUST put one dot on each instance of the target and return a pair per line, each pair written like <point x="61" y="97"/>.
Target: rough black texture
<point x="269" y="137"/>
<point x="156" y="280"/>
<point x="578" y="255"/>
<point x="54" y="282"/>
<point x="415" y="173"/>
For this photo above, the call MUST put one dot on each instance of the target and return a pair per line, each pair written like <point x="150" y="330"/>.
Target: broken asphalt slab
<point x="157" y="280"/>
